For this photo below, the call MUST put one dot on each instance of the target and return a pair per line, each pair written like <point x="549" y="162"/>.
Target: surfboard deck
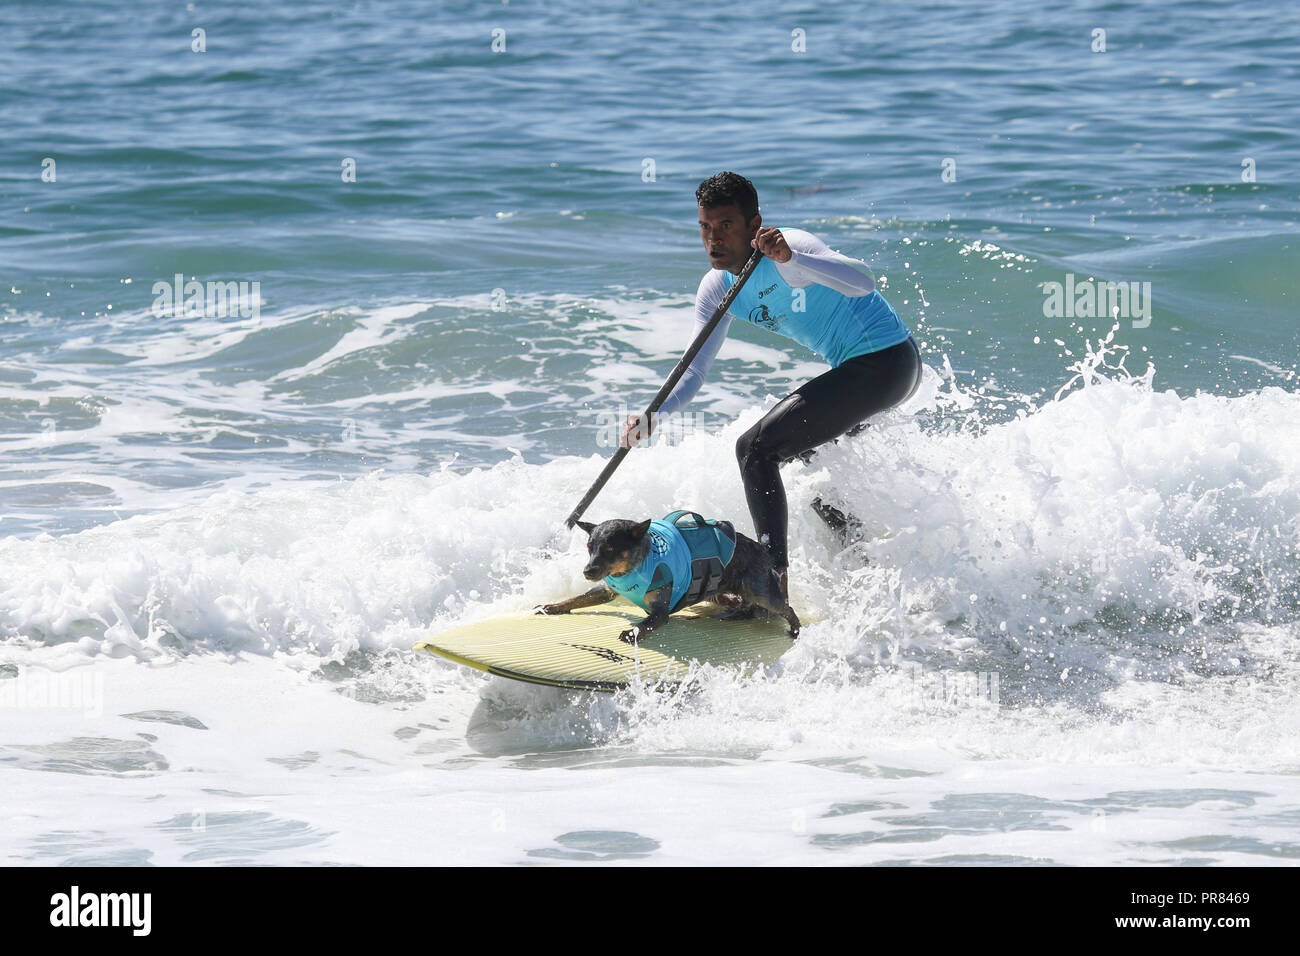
<point x="581" y="650"/>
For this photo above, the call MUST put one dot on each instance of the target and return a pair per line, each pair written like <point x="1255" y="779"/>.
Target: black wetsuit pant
<point x="821" y="410"/>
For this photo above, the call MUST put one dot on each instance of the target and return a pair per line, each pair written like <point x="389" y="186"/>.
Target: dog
<point x="669" y="564"/>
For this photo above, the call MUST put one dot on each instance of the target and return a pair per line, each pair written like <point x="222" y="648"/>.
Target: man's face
<point x="726" y="236"/>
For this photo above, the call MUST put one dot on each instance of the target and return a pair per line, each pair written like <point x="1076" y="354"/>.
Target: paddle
<point x="673" y="378"/>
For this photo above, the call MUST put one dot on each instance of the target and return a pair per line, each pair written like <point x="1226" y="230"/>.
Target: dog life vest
<point x="692" y="554"/>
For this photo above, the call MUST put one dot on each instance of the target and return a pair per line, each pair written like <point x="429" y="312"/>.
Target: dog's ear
<point x="639" y="530"/>
<point x="586" y="526"/>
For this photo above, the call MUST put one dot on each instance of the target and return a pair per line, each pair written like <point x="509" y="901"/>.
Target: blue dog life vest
<point x="689" y="554"/>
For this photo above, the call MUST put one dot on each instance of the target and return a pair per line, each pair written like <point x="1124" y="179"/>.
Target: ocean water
<point x="1067" y="636"/>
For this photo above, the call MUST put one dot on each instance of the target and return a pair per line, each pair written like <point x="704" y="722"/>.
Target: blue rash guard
<point x="835" y="326"/>
<point x="843" y="316"/>
<point x="683" y="554"/>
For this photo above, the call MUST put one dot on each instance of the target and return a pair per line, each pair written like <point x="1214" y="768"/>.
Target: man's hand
<point x="772" y="244"/>
<point x="633" y="431"/>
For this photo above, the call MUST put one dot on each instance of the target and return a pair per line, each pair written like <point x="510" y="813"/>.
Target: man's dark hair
<point x="729" y="189"/>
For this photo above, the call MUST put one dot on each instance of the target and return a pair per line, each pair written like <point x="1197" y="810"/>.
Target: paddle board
<point x="581" y="650"/>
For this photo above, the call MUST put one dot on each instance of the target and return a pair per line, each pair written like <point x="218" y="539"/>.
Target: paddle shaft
<point x="673" y="378"/>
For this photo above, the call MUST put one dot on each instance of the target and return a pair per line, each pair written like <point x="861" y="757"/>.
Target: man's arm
<point x="707" y="299"/>
<point x="812" y="261"/>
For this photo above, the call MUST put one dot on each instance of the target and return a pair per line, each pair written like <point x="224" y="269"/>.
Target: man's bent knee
<point x="746" y="444"/>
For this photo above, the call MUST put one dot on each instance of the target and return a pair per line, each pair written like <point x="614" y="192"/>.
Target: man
<point x="819" y="298"/>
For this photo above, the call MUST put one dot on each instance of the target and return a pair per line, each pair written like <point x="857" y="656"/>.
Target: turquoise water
<point x="523" y="171"/>
<point x="384" y="437"/>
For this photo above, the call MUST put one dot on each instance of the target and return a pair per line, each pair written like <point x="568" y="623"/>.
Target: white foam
<point x="1122" y="558"/>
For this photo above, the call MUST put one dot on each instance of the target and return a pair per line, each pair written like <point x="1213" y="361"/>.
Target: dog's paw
<point x="549" y="609"/>
<point x="631" y="635"/>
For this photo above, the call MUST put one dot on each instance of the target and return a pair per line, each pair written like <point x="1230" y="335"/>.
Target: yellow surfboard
<point x="581" y="650"/>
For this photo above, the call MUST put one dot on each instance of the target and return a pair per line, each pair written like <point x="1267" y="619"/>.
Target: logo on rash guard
<point x="760" y="316"/>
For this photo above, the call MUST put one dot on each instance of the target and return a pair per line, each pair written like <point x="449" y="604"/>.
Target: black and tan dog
<point x="666" y="565"/>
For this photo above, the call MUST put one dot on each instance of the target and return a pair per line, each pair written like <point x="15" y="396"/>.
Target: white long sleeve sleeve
<point x="812" y="261"/>
<point x="708" y="297"/>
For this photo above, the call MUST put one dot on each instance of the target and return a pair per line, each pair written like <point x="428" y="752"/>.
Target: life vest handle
<point x="678" y="515"/>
